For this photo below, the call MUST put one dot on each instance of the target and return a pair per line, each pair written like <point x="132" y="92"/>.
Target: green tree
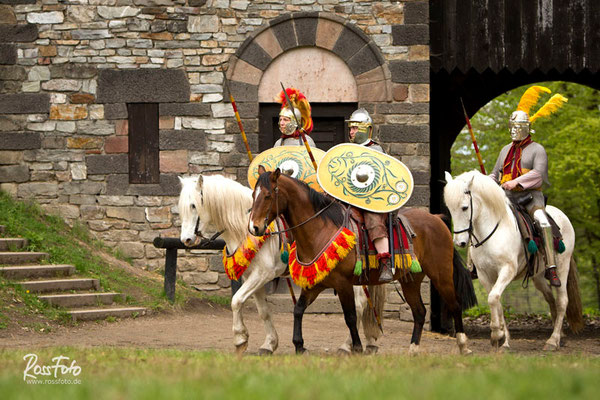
<point x="570" y="137"/>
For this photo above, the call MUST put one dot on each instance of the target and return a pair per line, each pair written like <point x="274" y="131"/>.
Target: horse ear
<point x="261" y="170"/>
<point x="448" y="176"/>
<point x="275" y="175"/>
<point x="200" y="181"/>
<point x="180" y="179"/>
<point x="471" y="182"/>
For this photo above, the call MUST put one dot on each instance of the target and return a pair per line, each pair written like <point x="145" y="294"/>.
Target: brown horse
<point x="276" y="194"/>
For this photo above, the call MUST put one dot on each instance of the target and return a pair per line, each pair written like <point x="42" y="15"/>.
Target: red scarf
<point x="294" y="135"/>
<point x="515" y="152"/>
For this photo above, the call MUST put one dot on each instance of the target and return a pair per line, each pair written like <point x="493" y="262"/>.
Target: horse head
<point x="459" y="199"/>
<point x="267" y="201"/>
<point x="191" y="210"/>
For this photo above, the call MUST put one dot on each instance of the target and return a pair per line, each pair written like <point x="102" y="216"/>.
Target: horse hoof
<point x="466" y="352"/>
<point x="241" y="348"/>
<point x="550" y="347"/>
<point x="371" y="349"/>
<point x="343" y="352"/>
<point x="301" y="350"/>
<point x="413" y="350"/>
<point x="264" y="352"/>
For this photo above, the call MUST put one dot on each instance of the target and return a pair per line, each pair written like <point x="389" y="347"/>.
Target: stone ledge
<point x="20" y="140"/>
<point x="25" y="103"/>
<point x="118" y="184"/>
<point x="410" y="71"/>
<point x="8" y="54"/>
<point x="410" y="35"/>
<point x="18" y="33"/>
<point x="143" y="86"/>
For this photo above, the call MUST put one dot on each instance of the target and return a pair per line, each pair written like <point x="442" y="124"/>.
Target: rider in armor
<point x="522" y="168"/>
<point x="290" y="131"/>
<point x="360" y="126"/>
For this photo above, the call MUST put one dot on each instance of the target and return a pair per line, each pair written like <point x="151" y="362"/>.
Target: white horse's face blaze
<point x="261" y="207"/>
<point x="190" y="211"/>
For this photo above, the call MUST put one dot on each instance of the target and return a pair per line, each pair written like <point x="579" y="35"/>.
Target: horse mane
<point x="225" y="200"/>
<point x="318" y="200"/>
<point x="485" y="188"/>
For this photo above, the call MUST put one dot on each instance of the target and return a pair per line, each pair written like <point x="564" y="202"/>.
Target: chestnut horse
<point x="276" y="194"/>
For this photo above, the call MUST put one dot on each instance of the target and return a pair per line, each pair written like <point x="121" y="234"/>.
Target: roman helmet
<point x="520" y="123"/>
<point x="302" y="112"/>
<point x="363" y="121"/>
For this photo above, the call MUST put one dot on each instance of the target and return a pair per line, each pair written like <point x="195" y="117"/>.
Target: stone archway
<point x="310" y="29"/>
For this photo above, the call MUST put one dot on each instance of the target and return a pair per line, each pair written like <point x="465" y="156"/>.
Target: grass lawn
<point x="125" y="373"/>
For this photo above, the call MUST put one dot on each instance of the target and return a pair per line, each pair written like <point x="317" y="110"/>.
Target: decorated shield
<point x="365" y="178"/>
<point x="291" y="160"/>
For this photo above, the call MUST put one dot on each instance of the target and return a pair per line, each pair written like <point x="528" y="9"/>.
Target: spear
<point x="237" y="117"/>
<point x="473" y="138"/>
<point x="310" y="154"/>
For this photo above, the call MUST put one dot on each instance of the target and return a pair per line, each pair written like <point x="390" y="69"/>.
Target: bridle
<point x="197" y="230"/>
<point x="266" y="220"/>
<point x="470" y="228"/>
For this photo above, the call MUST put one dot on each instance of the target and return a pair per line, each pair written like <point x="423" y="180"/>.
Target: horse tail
<point x="574" y="308"/>
<point x="463" y="285"/>
<point x="370" y="326"/>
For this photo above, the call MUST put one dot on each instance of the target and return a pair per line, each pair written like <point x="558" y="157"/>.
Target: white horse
<point x="478" y="205"/>
<point x="213" y="203"/>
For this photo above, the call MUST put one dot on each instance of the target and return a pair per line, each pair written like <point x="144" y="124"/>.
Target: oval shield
<point x="365" y="178"/>
<point x="291" y="160"/>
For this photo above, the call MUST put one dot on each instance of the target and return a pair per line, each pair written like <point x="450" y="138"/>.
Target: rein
<point x="198" y="233"/>
<point x="295" y="226"/>
<point x="470" y="228"/>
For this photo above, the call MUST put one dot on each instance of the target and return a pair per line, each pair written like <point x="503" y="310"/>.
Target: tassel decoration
<point x="415" y="266"/>
<point x="358" y="267"/>
<point x="532" y="247"/>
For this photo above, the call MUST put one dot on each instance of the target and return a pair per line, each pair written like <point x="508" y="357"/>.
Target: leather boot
<point x="385" y="267"/>
<point x="552" y="276"/>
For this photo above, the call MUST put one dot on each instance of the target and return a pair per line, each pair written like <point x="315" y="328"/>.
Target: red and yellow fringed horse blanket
<point x="307" y="275"/>
<point x="236" y="264"/>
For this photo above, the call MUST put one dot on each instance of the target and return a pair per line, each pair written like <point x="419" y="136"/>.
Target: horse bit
<point x="470" y="228"/>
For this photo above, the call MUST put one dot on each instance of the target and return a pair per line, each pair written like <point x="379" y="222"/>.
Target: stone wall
<point x="68" y="69"/>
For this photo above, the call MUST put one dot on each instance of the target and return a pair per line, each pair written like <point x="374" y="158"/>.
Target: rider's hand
<point x="510" y="185"/>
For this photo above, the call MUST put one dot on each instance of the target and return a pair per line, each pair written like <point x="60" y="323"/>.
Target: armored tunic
<point x="292" y="141"/>
<point x="534" y="166"/>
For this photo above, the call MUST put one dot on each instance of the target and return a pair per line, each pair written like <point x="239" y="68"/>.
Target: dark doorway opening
<point x="328" y="120"/>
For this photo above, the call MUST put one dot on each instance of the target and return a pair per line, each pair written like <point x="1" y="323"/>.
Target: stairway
<point x="56" y="285"/>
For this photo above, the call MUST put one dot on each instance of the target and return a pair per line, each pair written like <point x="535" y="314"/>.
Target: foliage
<point x="570" y="137"/>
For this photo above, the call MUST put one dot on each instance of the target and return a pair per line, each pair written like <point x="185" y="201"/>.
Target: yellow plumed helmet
<point x="531" y="97"/>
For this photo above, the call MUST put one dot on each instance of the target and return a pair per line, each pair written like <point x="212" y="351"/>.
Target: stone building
<point x="103" y="103"/>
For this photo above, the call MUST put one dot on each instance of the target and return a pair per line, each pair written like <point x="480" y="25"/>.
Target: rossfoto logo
<point x="60" y="372"/>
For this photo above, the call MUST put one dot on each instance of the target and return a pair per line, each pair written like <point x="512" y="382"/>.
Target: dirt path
<point x="204" y="327"/>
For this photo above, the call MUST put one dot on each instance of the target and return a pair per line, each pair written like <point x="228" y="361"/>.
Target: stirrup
<point x="385" y="268"/>
<point x="552" y="276"/>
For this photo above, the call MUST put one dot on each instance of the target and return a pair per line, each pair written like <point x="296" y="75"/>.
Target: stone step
<point x="7" y="244"/>
<point x="81" y="299"/>
<point x="102" y="313"/>
<point x="36" y="271"/>
<point x="21" y="257"/>
<point x="60" y="285"/>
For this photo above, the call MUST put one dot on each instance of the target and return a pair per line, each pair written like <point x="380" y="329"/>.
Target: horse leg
<point x="412" y="293"/>
<point x="361" y="307"/>
<point x="498" y="325"/>
<point x="307" y="296"/>
<point x="346" y="296"/>
<point x="559" y="306"/>
<point x="240" y="332"/>
<point x="271" y="339"/>
<point x="447" y="292"/>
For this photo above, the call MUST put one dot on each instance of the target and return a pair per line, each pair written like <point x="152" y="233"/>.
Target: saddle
<point x="402" y="242"/>
<point x="531" y="233"/>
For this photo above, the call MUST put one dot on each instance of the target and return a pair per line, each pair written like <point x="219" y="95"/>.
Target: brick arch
<point x="304" y="29"/>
